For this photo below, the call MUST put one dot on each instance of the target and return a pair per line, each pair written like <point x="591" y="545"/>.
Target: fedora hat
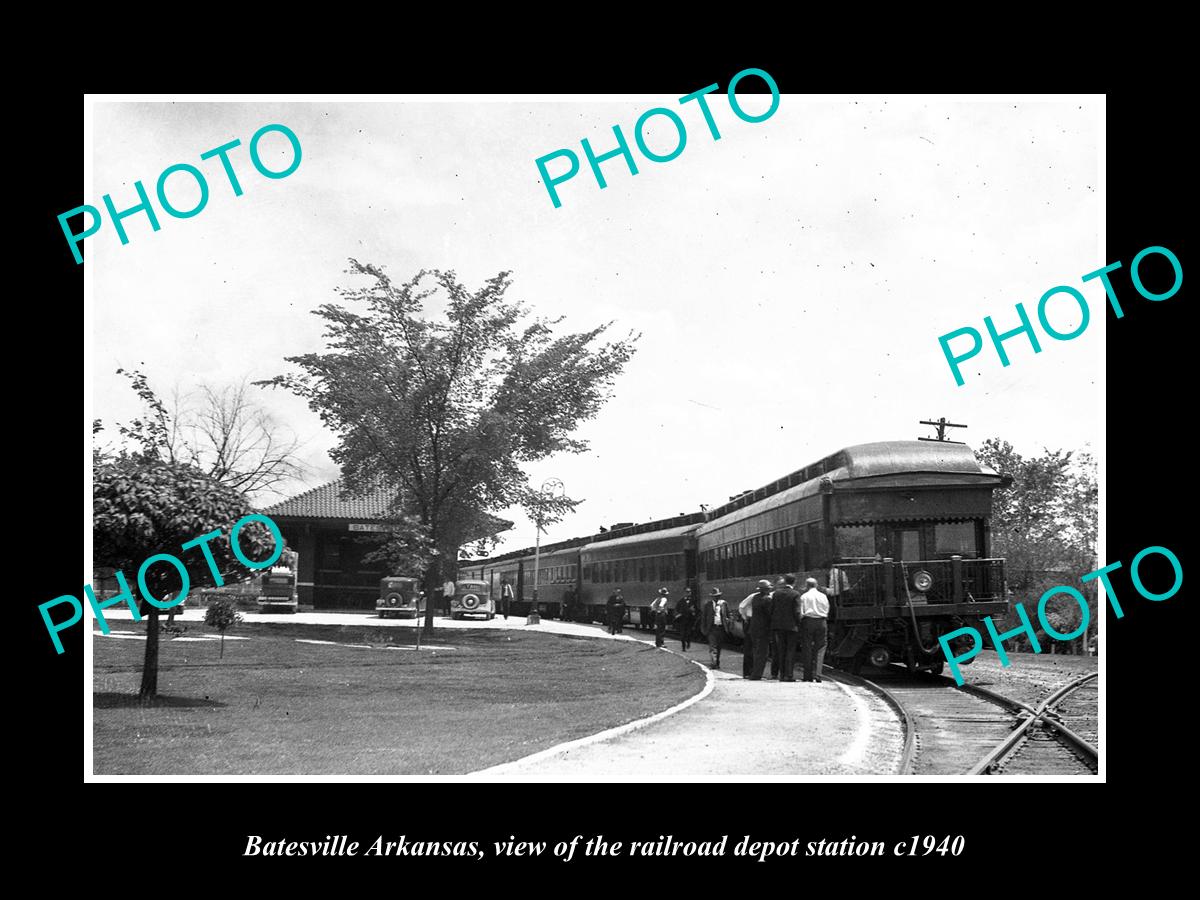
<point x="715" y="592"/>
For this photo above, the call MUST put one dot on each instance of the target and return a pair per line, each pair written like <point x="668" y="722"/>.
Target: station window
<point x="331" y="554"/>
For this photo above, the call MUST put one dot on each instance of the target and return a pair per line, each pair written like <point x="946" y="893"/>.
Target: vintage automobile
<point x="472" y="598"/>
<point x="399" y="595"/>
<point x="278" y="591"/>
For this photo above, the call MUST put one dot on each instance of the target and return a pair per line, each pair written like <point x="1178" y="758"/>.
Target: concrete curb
<point x="509" y="768"/>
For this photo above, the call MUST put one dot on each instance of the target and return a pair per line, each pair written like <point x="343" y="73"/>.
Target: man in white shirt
<point x="814" y="615"/>
<point x="714" y="623"/>
<point x="658" y="615"/>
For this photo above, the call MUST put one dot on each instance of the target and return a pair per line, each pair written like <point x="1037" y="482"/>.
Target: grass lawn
<point x="275" y="706"/>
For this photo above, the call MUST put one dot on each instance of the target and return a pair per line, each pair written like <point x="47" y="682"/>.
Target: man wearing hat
<point x="658" y="615"/>
<point x="714" y="623"/>
<point x="755" y="611"/>
<point x="785" y="625"/>
<point x="814" y="615"/>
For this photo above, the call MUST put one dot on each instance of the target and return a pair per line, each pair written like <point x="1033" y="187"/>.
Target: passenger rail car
<point x="557" y="578"/>
<point x="897" y="534"/>
<point x="639" y="560"/>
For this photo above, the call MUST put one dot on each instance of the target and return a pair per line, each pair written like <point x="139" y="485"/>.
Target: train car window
<point x="854" y="541"/>
<point x="952" y="538"/>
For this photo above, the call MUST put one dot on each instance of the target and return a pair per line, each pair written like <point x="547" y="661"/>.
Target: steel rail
<point x="1042" y="714"/>
<point x="910" y="728"/>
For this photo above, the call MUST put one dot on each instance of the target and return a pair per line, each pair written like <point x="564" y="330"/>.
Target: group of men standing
<point x="684" y="615"/>
<point x="773" y="622"/>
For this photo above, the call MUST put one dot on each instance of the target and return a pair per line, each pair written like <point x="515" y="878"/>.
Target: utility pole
<point x="551" y="487"/>
<point x="941" y="425"/>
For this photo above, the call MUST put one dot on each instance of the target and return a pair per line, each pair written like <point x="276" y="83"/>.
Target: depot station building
<point x="332" y="534"/>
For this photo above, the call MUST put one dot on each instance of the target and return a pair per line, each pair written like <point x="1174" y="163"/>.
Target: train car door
<point x="904" y="542"/>
<point x="520" y="586"/>
<point x="689" y="571"/>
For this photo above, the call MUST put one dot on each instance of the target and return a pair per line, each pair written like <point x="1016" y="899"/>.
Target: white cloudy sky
<point x="790" y="280"/>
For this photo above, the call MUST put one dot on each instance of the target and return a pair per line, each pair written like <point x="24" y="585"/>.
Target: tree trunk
<point x="222" y="645"/>
<point x="150" y="663"/>
<point x="432" y="585"/>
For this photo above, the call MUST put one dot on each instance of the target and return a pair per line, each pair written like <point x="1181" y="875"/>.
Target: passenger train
<point x="897" y="534"/>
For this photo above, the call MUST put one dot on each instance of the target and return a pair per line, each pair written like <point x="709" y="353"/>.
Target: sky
<point x="789" y="280"/>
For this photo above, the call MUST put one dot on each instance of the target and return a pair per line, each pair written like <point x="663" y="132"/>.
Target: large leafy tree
<point x="1045" y="526"/>
<point x="449" y="407"/>
<point x="143" y="506"/>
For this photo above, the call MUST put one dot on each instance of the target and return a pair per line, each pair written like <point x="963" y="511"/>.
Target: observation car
<point x="897" y="534"/>
<point x="472" y="598"/>
<point x="399" y="595"/>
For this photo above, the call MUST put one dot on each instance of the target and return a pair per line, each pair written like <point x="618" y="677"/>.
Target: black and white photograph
<point x="599" y="438"/>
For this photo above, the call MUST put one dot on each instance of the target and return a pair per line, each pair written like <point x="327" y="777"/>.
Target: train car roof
<point x="514" y="555"/>
<point x="859" y="462"/>
<point x="645" y="537"/>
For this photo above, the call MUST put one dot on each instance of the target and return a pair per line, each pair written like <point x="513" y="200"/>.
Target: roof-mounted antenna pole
<point x="941" y="425"/>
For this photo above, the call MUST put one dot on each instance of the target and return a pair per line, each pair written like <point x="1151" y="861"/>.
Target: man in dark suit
<point x="616" y="613"/>
<point x="747" y="611"/>
<point x="714" y="624"/>
<point x="685" y="618"/>
<point x="760" y="631"/>
<point x="785" y="626"/>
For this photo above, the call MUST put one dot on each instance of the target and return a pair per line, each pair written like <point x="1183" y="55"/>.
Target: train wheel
<point x="938" y="668"/>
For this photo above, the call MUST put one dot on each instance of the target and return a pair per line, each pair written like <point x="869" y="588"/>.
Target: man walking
<point x="658" y="615"/>
<point x="756" y="618"/>
<point x="785" y="625"/>
<point x="714" y="622"/>
<point x="685" y="618"/>
<point x="814" y="615"/>
<point x="506" y="596"/>
<point x="616" y="613"/>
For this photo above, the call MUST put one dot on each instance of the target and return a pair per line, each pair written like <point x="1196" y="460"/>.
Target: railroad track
<point x="951" y="730"/>
<point x="1045" y="743"/>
